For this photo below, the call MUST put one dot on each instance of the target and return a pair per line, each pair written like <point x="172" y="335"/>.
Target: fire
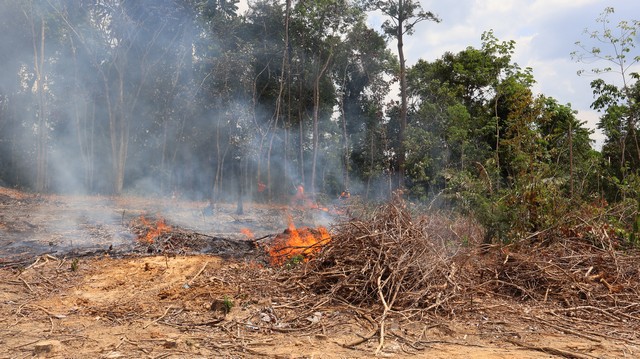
<point x="154" y="232"/>
<point x="316" y="206"/>
<point x="247" y="232"/>
<point x="295" y="242"/>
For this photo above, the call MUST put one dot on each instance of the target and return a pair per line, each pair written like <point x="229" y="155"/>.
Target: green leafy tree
<point x="361" y="62"/>
<point x="614" y="46"/>
<point x="402" y="17"/>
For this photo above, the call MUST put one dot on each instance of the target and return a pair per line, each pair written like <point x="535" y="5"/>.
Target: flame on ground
<point x="247" y="232"/>
<point x="295" y="242"/>
<point x="153" y="232"/>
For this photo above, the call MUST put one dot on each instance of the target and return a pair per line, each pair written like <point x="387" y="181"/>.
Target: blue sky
<point x="545" y="32"/>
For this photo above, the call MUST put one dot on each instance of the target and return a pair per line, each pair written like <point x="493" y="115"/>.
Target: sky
<point x="545" y="32"/>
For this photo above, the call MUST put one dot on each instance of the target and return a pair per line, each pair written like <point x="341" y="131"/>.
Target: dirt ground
<point x="75" y="283"/>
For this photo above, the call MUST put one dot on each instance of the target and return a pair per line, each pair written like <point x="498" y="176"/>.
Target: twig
<point x="587" y="307"/>
<point x="565" y="330"/>
<point x="197" y="274"/>
<point x="42" y="309"/>
<point x="159" y="318"/>
<point x="363" y="339"/>
<point x="384" y="314"/>
<point x="549" y="350"/>
<point x="26" y="284"/>
<point x="34" y="263"/>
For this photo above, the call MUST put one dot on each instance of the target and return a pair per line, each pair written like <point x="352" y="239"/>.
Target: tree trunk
<point x="371" y="163"/>
<point x="41" y="134"/>
<point x="301" y="133"/>
<point x="345" y="138"/>
<point x="122" y="135"/>
<point x="403" y="96"/>
<point x="316" y="134"/>
<point x="570" y="160"/>
<point x="283" y="74"/>
<point x="83" y="121"/>
<point x="221" y="155"/>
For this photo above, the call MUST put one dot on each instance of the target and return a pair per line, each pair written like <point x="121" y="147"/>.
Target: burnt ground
<point x="76" y="281"/>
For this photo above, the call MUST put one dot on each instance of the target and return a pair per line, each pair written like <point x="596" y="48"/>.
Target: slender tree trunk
<point x="301" y="133"/>
<point x="122" y="134"/>
<point x="269" y="182"/>
<point x="41" y="134"/>
<point x="371" y="162"/>
<point x="403" y="96"/>
<point x="497" y="154"/>
<point x="316" y="111"/>
<point x="345" y="138"/>
<point x="259" y="131"/>
<point x="165" y="178"/>
<point x="83" y="122"/>
<point x="118" y="130"/>
<point x="570" y="160"/>
<point x="215" y="191"/>
<point x="283" y="74"/>
<point x="239" y="175"/>
<point x="92" y="148"/>
<point x="301" y="113"/>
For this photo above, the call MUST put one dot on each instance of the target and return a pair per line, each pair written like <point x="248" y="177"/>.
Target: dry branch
<point x="390" y="262"/>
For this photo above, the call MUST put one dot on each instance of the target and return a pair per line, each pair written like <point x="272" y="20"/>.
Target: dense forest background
<point x="189" y="96"/>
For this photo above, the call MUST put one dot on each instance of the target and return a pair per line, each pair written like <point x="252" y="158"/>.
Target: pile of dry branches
<point x="389" y="261"/>
<point x="580" y="277"/>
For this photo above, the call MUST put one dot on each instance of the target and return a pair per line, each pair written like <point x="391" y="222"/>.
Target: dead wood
<point x="549" y="350"/>
<point x="414" y="267"/>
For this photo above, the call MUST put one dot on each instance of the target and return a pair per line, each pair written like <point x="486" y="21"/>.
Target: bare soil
<point x="75" y="282"/>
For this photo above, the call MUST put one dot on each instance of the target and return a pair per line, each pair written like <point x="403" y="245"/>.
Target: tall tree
<point x="324" y="22"/>
<point x="36" y="19"/>
<point x="362" y="61"/>
<point x="402" y="15"/>
<point x="614" y="46"/>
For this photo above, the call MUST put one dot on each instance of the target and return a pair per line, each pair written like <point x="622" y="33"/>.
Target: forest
<point x="193" y="97"/>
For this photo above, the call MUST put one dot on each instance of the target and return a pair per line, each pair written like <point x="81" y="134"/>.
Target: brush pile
<point x="390" y="261"/>
<point x="574" y="276"/>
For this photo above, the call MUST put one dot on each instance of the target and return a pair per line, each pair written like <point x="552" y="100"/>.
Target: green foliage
<point x="228" y="304"/>
<point x="294" y="261"/>
<point x="75" y="263"/>
<point x="403" y="16"/>
<point x="614" y="48"/>
<point x="480" y="137"/>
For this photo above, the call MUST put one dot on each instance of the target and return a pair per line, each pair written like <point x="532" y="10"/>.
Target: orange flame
<point x="247" y="232"/>
<point x="316" y="206"/>
<point x="294" y="242"/>
<point x="154" y="232"/>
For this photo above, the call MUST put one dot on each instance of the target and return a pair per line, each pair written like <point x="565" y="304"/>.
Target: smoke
<point x="158" y="97"/>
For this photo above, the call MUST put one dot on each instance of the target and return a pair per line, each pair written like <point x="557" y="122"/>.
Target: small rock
<point x="265" y="317"/>
<point x="315" y="317"/>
